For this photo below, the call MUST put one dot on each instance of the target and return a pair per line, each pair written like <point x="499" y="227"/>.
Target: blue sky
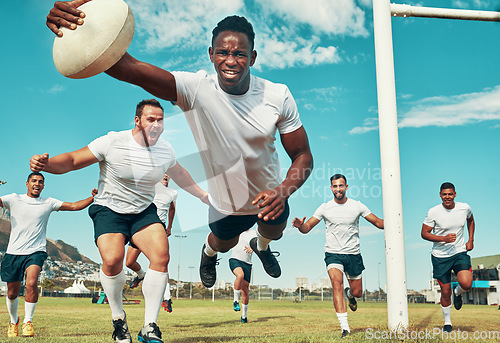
<point x="447" y="83"/>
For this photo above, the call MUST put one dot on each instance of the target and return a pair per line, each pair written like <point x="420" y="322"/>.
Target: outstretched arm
<point x="307" y="226"/>
<point x="272" y="202"/>
<point x="375" y="221"/>
<point x="154" y="80"/>
<point x="79" y="205"/>
<point x="427" y="235"/>
<point x="184" y="180"/>
<point x="471" y="226"/>
<point x="63" y="163"/>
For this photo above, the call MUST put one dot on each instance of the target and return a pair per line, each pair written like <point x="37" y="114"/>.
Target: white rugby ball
<point x="99" y="43"/>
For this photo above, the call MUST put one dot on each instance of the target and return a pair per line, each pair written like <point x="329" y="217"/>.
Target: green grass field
<point x="78" y="320"/>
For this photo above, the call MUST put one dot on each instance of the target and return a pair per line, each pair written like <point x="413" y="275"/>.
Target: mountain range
<point x="57" y="250"/>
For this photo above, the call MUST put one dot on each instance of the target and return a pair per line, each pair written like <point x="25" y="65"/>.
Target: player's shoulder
<point x="191" y="76"/>
<point x="436" y="209"/>
<point x="10" y="197"/>
<point x="116" y="135"/>
<point x="462" y="205"/>
<point x="260" y="83"/>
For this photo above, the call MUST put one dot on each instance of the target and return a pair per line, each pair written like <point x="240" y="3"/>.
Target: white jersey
<point x="342" y="225"/>
<point x="235" y="136"/>
<point x="238" y="252"/>
<point x="445" y="221"/>
<point x="164" y="196"/>
<point x="29" y="218"/>
<point x="129" y="171"/>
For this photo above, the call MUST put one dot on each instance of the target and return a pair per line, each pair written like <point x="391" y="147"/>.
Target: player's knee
<point x="357" y="293"/>
<point x="274" y="232"/>
<point x="12" y="293"/>
<point x="446" y="294"/>
<point x="110" y="262"/>
<point x="31" y="284"/>
<point x="466" y="286"/>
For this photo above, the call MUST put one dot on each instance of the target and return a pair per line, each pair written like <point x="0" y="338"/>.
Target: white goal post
<point x="397" y="306"/>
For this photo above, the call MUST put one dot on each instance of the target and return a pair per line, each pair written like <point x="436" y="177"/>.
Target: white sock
<point x="141" y="273"/>
<point x="166" y="295"/>
<point x="244" y="309"/>
<point x="342" y="317"/>
<point x="153" y="288"/>
<point x="29" y="310"/>
<point x="12" y="308"/>
<point x="208" y="249"/>
<point x="446" y="314"/>
<point x="113" y="287"/>
<point x="237" y="294"/>
<point x="262" y="242"/>
<point x="459" y="290"/>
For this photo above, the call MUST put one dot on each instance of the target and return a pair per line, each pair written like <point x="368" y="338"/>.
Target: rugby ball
<point x="99" y="43"/>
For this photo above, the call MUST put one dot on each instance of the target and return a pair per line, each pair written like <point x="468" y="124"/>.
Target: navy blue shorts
<point x="247" y="268"/>
<point x="353" y="264"/>
<point x="108" y="221"/>
<point x="442" y="266"/>
<point x="14" y="266"/>
<point x="227" y="227"/>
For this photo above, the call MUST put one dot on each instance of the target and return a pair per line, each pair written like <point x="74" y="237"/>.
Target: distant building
<point x="301" y="282"/>
<point x="485" y="285"/>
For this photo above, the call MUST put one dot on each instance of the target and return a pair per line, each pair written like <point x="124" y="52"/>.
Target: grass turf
<point x="78" y="320"/>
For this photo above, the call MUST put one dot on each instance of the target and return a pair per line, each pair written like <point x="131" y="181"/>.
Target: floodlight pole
<point x="397" y="306"/>
<point x="179" y="266"/>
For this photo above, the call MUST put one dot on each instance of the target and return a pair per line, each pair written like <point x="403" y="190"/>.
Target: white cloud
<point x="324" y="96"/>
<point x="288" y="32"/>
<point x="443" y="111"/>
<point x="473" y="4"/>
<point x="339" y="17"/>
<point x="55" y="89"/>
<point x="455" y="110"/>
<point x="276" y="53"/>
<point x="179" y="24"/>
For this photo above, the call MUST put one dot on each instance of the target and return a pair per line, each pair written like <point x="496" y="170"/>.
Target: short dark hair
<point x="338" y="176"/>
<point x="236" y="24"/>
<point x="35" y="174"/>
<point x="447" y="185"/>
<point x="150" y="102"/>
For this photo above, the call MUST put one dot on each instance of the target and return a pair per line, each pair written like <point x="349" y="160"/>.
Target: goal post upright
<point x="397" y="305"/>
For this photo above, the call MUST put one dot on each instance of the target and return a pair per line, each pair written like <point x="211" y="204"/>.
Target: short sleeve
<point x="428" y="220"/>
<point x="469" y="212"/>
<point x="363" y="209"/>
<point x="56" y="204"/>
<point x="174" y="195"/>
<point x="289" y="119"/>
<point x="7" y="199"/>
<point x="318" y="214"/>
<point x="186" y="85"/>
<point x="99" y="146"/>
